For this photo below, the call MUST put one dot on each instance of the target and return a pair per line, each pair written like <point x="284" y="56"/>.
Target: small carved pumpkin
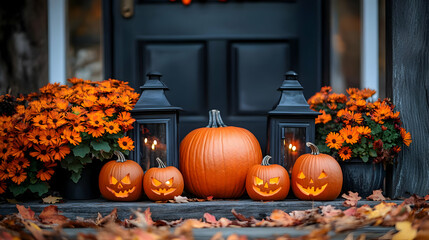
<point x="163" y="183"/>
<point x="267" y="182"/>
<point x="121" y="180"/>
<point x="316" y="176"/>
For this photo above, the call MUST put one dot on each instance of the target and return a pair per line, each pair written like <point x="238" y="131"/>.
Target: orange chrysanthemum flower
<point x="5" y="129"/>
<point x="41" y="121"/>
<point x="19" y="146"/>
<point x="46" y="173"/>
<point x="72" y="137"/>
<point x="20" y="163"/>
<point x="406" y="137"/>
<point x="60" y="151"/>
<point x="17" y="175"/>
<point x="55" y="120"/>
<point x="126" y="143"/>
<point x="324" y="118"/>
<point x="125" y="102"/>
<point x="62" y="104"/>
<point x="334" y="140"/>
<point x="125" y="120"/>
<point x="349" y="134"/>
<point x="96" y="120"/>
<point x="363" y="130"/>
<point x="112" y="127"/>
<point x="4" y="171"/>
<point x="34" y="136"/>
<point x="4" y="151"/>
<point x="49" y="137"/>
<point x="345" y="153"/>
<point x="43" y="153"/>
<point x="95" y="132"/>
<point x="109" y="112"/>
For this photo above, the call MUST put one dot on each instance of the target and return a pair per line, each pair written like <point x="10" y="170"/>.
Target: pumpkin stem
<point x="121" y="157"/>
<point x="215" y="120"/>
<point x="265" y="160"/>
<point x="314" y="149"/>
<point x="160" y="163"/>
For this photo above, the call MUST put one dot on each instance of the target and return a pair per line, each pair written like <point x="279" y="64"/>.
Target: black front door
<point x="229" y="56"/>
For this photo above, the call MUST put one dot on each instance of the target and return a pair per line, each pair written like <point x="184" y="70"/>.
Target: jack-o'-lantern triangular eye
<point x="322" y="175"/>
<point x="301" y="175"/>
<point x="155" y="182"/>
<point x="258" y="181"/>
<point x="126" y="179"/>
<point x="113" y="180"/>
<point x="274" y="180"/>
<point x="169" y="183"/>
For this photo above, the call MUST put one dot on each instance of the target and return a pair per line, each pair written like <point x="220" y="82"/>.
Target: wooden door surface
<point x="230" y="56"/>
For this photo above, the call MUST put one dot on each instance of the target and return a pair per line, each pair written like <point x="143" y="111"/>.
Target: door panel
<point x="229" y="56"/>
<point x="256" y="70"/>
<point x="173" y="60"/>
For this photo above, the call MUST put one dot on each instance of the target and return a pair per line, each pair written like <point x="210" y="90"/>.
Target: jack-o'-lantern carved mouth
<point x="160" y="190"/>
<point x="164" y="191"/>
<point x="265" y="189"/>
<point x="314" y="191"/>
<point x="123" y="193"/>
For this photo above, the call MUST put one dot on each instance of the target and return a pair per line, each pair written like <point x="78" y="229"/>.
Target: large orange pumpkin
<point x="162" y="183"/>
<point x="316" y="176"/>
<point x="121" y="180"/>
<point x="214" y="160"/>
<point x="267" y="182"/>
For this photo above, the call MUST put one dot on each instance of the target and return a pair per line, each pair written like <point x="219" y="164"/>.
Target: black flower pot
<point x="86" y="187"/>
<point x="362" y="177"/>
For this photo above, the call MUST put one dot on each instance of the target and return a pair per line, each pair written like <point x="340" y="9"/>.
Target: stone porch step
<point x="174" y="211"/>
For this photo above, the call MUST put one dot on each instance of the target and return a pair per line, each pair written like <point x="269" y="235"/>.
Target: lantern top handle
<point x="153" y="96"/>
<point x="292" y="100"/>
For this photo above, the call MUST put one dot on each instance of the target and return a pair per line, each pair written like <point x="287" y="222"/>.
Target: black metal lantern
<point x="290" y="123"/>
<point x="155" y="129"/>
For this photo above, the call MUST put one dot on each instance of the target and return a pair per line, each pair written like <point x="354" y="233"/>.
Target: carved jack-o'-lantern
<point x="316" y="176"/>
<point x="163" y="183"/>
<point x="121" y="180"/>
<point x="267" y="182"/>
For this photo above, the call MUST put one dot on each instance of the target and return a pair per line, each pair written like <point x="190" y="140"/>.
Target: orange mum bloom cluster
<point x="43" y="128"/>
<point x="351" y="126"/>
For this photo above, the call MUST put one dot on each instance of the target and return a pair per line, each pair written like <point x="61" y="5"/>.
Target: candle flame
<point x="155" y="142"/>
<point x="290" y="145"/>
<point x="153" y="146"/>
<point x="145" y="140"/>
<point x="294" y="148"/>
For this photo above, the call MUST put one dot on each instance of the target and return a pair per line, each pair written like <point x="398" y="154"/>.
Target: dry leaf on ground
<point x="111" y="217"/>
<point x="377" y="195"/>
<point x="406" y="231"/>
<point x="50" y="215"/>
<point x="180" y="199"/>
<point x="52" y="200"/>
<point x="26" y="213"/>
<point x="351" y="199"/>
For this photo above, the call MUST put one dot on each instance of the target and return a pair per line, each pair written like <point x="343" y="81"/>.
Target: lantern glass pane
<point x="153" y="144"/>
<point x="293" y="145"/>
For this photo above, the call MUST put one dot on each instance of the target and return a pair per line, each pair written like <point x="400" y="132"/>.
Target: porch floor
<point x="218" y="208"/>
